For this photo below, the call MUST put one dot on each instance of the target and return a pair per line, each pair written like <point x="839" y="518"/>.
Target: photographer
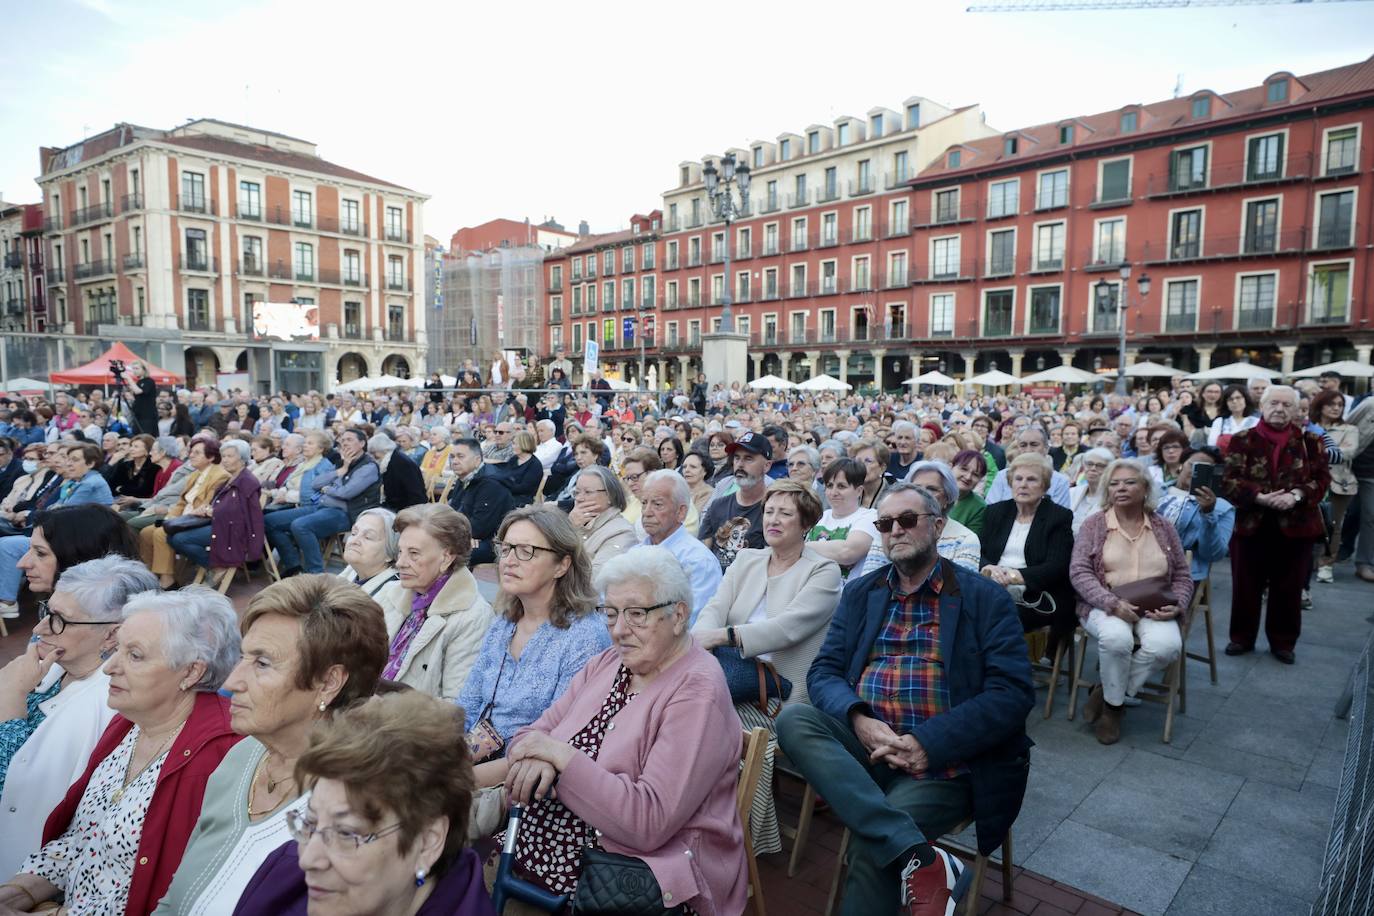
<point x="140" y="394"/>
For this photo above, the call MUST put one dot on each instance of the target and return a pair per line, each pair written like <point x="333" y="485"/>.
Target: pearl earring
<point x="419" y="877"/>
<point x="322" y="705"/>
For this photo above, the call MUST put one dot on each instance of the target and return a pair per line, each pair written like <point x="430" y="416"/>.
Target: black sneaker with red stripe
<point x="935" y="887"/>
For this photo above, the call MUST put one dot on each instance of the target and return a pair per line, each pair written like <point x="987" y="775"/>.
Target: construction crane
<point x="1042" y="6"/>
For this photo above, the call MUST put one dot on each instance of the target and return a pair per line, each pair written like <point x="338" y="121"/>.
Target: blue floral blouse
<point x="14" y="732"/>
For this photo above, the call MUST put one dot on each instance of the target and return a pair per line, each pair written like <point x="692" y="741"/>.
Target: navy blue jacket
<point x="989" y="678"/>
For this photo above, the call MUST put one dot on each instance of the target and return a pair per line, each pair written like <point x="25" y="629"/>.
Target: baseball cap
<point x="751" y="442"/>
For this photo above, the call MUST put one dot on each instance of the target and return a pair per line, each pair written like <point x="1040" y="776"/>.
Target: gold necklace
<point x="130" y="780"/>
<point x="261" y="769"/>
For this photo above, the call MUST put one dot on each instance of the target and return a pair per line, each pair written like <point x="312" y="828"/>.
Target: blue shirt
<point x="698" y="562"/>
<point x="1206" y="534"/>
<point x="529" y="685"/>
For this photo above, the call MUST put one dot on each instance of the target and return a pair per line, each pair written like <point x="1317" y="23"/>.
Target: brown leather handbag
<point x="1148" y="594"/>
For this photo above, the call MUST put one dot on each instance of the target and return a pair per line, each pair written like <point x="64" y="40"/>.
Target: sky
<point x="583" y="110"/>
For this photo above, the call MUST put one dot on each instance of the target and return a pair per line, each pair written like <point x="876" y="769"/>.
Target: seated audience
<point x="523" y="472"/>
<point x="874" y="456"/>
<point x="234" y="535"/>
<point x="370" y="551"/>
<point x="695" y="469"/>
<point x="344" y="492"/>
<point x="265" y="463"/>
<point x="206" y="478"/>
<point x="481" y="497"/>
<point x="1032" y="438"/>
<point x="734" y="519"/>
<point x="133" y="477"/>
<point x="1086" y="496"/>
<point x="598" y="504"/>
<point x="970" y="468"/>
<point x="667" y="501"/>
<point x="956" y="542"/>
<point x="403" y="485"/>
<point x="845" y="532"/>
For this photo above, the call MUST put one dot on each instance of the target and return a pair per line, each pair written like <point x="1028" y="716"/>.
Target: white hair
<point x="296" y="440"/>
<point x="681" y="493"/>
<point x="1131" y="464"/>
<point x="103" y="585"/>
<point x="653" y="566"/>
<point x="812" y="456"/>
<point x="1276" y="389"/>
<point x="393" y="537"/>
<point x="380" y="444"/>
<point x="199" y="625"/>
<point x="951" y="486"/>
<point x="238" y="445"/>
<point x="545" y="424"/>
<point x="904" y="426"/>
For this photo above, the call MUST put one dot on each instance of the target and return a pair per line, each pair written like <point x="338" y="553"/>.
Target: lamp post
<point x="1103" y="289"/>
<point x="720" y="196"/>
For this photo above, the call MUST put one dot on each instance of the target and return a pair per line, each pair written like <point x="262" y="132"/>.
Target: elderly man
<point x="906" y="450"/>
<point x="957" y="543"/>
<point x="1257" y="385"/>
<point x="479" y="494"/>
<point x="549" y="448"/>
<point x="403" y="485"/>
<point x="1275" y="475"/>
<point x="1031" y="439"/>
<point x="919" y="697"/>
<point x="501" y="447"/>
<point x="733" y="521"/>
<point x="666" y="499"/>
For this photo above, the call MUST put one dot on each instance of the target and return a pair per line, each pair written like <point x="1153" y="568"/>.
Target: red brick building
<point x="23" y="302"/>
<point x="509" y="233"/>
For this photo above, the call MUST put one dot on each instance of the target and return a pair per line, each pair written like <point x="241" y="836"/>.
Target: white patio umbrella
<point x="448" y="381"/>
<point x="363" y="383"/>
<point x="1348" y="368"/>
<point x="770" y="381"/>
<point x="1236" y="371"/>
<point x="938" y="379"/>
<point x="824" y="383"/>
<point x="620" y="384"/>
<point x="392" y="381"/>
<point x="1149" y="369"/>
<point x="996" y="378"/>
<point x="1062" y="375"/>
<point x="21" y="383"/>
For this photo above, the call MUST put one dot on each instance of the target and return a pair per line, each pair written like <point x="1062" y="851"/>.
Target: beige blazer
<point x="438" y="659"/>
<point x="609" y="536"/>
<point x="800" y="603"/>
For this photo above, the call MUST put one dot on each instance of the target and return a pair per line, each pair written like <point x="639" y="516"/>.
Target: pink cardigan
<point x="1089" y="576"/>
<point x="662" y="788"/>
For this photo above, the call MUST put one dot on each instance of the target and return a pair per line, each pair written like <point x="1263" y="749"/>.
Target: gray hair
<point x="381" y="444"/>
<point x="615" y="490"/>
<point x="833" y="445"/>
<point x="393" y="537"/>
<point x="946" y="479"/>
<point x="1277" y="389"/>
<point x="812" y="455"/>
<point x="199" y="625"/>
<point x="103" y="585"/>
<point x="445" y="433"/>
<point x="1101" y="454"/>
<point x="545" y="424"/>
<point x="681" y="493"/>
<point x="928" y="498"/>
<point x="245" y="453"/>
<point x="295" y="440"/>
<point x="169" y="445"/>
<point x="1133" y="464"/>
<point x="655" y="567"/>
<point x="904" y="426"/>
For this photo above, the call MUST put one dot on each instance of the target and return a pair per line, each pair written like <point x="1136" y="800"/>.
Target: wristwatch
<point x="1297" y="495"/>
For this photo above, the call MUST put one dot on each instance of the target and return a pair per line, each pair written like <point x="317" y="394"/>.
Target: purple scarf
<point x="419" y="610"/>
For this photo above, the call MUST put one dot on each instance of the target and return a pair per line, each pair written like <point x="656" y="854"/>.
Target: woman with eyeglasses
<point x="970" y="468"/>
<point x="633" y="469"/>
<point x="599" y="502"/>
<point x="52" y="698"/>
<point x="437" y="620"/>
<point x="718" y="450"/>
<point x="545" y="631"/>
<point x="384" y="829"/>
<point x="644" y="747"/>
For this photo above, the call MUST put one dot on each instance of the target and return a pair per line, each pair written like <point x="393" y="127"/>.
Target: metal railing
<point x="250" y="267"/>
<point x="52" y="224"/>
<point x="56" y="275"/>
<point x="91" y="269"/>
<point x="860" y="186"/>
<point x="394" y="234"/>
<point x="134" y="261"/>
<point x="199" y="264"/>
<point x="130" y="202"/>
<point x="195" y="204"/>
<point x="1231" y="174"/>
<point x="93" y="214"/>
<point x="14" y="260"/>
<point x="796" y="200"/>
<point x="965" y="210"/>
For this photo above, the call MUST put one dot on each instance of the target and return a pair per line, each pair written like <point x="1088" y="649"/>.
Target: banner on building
<point x="500" y="318"/>
<point x="591" y="355"/>
<point x="628" y="332"/>
<point x="286" y="320"/>
<point x="438" y="284"/>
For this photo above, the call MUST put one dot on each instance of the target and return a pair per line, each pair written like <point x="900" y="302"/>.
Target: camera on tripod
<point x="117" y="369"/>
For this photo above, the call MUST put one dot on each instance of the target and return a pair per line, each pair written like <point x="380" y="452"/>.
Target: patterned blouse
<point x="405" y="635"/>
<point x="93" y="862"/>
<point x="14" y="732"/>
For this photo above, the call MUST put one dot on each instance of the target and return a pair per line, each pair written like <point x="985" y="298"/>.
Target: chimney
<point x="583" y="229"/>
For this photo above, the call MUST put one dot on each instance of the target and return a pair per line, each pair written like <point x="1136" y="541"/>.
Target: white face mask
<point x="30" y="465"/>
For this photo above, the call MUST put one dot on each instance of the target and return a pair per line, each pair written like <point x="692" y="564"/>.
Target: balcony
<point x="800" y="242"/>
<point x="858" y="234"/>
<point x="52" y="224"/>
<point x="1180" y="322"/>
<point x="828" y="194"/>
<point x="1335" y="236"/>
<point x="353" y="277"/>
<point x="56" y="275"/>
<point x="693" y="222"/>
<point x="1255" y="319"/>
<point x="828" y="239"/>
<point x="1113" y="257"/>
<point x="131" y="202"/>
<point x="14" y="307"/>
<point x="398" y="284"/>
<point x="14" y="260"/>
<point x="352" y="227"/>
<point x="829" y="286"/>
<point x="556" y="285"/>
<point x="899" y="179"/>
<point x="1263" y="244"/>
<point x="397" y="234"/>
<point x="947" y="271"/>
<point x="766" y="338"/>
<point x="797" y="199"/>
<point x="895" y="278"/>
<point x="801" y="336"/>
<point x="861" y="186"/>
<point x="717" y="255"/>
<point x="1044" y="265"/>
<point x="1055" y="200"/>
<point x="860" y="284"/>
<point x="252" y="214"/>
<point x="352" y="330"/>
<point x="249" y="267"/>
<point x="801" y="290"/>
<point x="96" y="213"/>
<point x="194" y="204"/>
<point x="93" y="269"/>
<point x="947" y="214"/>
<point x="770" y="249"/>
<point x="199" y="264"/>
<point x="134" y="261"/>
<point x="1001" y="266"/>
<point x="302" y="219"/>
<point x="669" y="263"/>
<point x="1231" y="174"/>
<point x="770" y="294"/>
<point x="744" y="251"/>
<point x="770" y="204"/>
<point x="1107" y="201"/>
<point x="673" y="224"/>
<point x="896" y="229"/>
<point x="694" y="260"/>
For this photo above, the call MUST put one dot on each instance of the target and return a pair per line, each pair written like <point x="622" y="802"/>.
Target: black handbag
<point x="179" y="523"/>
<point x="751" y="680"/>
<point x="616" y="885"/>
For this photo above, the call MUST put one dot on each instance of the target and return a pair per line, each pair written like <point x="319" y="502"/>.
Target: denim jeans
<point x="887" y="811"/>
<point x="277" y="528"/>
<point x="11" y="550"/>
<point x="308" y="530"/>
<point x="194" y="545"/>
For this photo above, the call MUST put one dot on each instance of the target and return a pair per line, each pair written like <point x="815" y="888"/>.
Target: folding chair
<point x="755" y="747"/>
<point x="1202" y="601"/>
<point x="1173" y="687"/>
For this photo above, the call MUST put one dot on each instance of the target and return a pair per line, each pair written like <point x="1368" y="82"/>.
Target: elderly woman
<point x="133" y="477"/>
<point x="51" y="714"/>
<point x="970" y="467"/>
<point x="1085" y="498"/>
<point x="113" y="843"/>
<point x="435" y="460"/>
<point x="234" y="535"/>
<point x="312" y="645"/>
<point x="390" y="815"/>
<point x="597" y="515"/>
<point x="804" y="466"/>
<point x="626" y="788"/>
<point x="411" y="442"/>
<point x="522" y="473"/>
<point x="265" y="463"/>
<point x="436" y="623"/>
<point x="1128" y="542"/>
<point x="545" y="631"/>
<point x="1027" y="542"/>
<point x="168" y="484"/>
<point x="874" y="456"/>
<point x="207" y="476"/>
<point x="370" y="551"/>
<point x="845" y="532"/>
<point x="637" y="465"/>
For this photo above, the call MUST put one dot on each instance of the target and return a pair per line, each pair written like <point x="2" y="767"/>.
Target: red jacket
<point x="1248" y="472"/>
<point x="175" y="807"/>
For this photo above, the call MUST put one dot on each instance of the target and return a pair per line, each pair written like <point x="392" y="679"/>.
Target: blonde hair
<point x="1034" y="460"/>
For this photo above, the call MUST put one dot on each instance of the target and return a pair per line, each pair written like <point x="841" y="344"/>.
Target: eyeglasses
<point x="303" y="828"/>
<point x="522" y="551"/>
<point x="637" y="617"/>
<point x="581" y="492"/>
<point x="907" y="520"/>
<point x="631" y="478"/>
<point x="793" y="465"/>
<point x="57" y="623"/>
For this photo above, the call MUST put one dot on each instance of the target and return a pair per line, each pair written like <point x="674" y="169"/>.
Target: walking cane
<point x="507" y="885"/>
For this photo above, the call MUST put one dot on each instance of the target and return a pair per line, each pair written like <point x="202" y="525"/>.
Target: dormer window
<point x="1276" y="91"/>
<point x="1065" y="134"/>
<point x="877" y="121"/>
<point x="1202" y="107"/>
<point x="844" y="133"/>
<point x="1009" y="146"/>
<point x="813" y="142"/>
<point x="954" y="158"/>
<point x="1130" y="121"/>
<point x="784" y="150"/>
<point x="686" y="175"/>
<point x="758" y="157"/>
<point x="913" y="115"/>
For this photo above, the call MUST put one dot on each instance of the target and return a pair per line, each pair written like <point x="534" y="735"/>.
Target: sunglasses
<point x="907" y="520"/>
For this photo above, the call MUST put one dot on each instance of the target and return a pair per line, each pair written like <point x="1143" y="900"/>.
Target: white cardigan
<point x="438" y="659"/>
<point x="800" y="603"/>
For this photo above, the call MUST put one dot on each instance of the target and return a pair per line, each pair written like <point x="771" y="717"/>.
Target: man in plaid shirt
<point x="920" y="696"/>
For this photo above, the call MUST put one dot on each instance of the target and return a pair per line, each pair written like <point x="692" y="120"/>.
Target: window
<point x="686" y="176"/>
<point x="250" y="200"/>
<point x="353" y="319"/>
<point x="608" y="296"/>
<point x="770" y="283"/>
<point x="647" y="291"/>
<point x="1340" y="150"/>
<point x="830" y="234"/>
<point x="577" y="338"/>
<point x="1202" y="107"/>
<point x="608" y="333"/>
<point x="556" y="276"/>
<point x="198" y="309"/>
<point x="718" y="246"/>
<point x="555" y="308"/>
<point x="770" y="239"/>
<point x="863" y="279"/>
<point x="1105" y="312"/>
<point x="395" y="224"/>
<point x="1276" y="91"/>
<point x="1115" y="181"/>
<point x="694" y="251"/>
<point x="799" y="234"/>
<point x="694" y="292"/>
<point x="742" y="290"/>
<point x="556" y="336"/>
<point x="799" y="191"/>
<point x="673" y="261"/>
<point x="395" y="322"/>
<point x="1186" y="230"/>
<point x="828" y="277"/>
<point x="252" y="255"/>
<point x="877" y="122"/>
<point x="901" y="167"/>
<point x="1257" y="301"/>
<point x="843" y="130"/>
<point x="192" y="192"/>
<point x="1261" y="226"/>
<point x="770" y="329"/>
<point x="1264" y="158"/>
<point x="1049" y="247"/>
<point x="798" y="284"/>
<point x="1188" y="169"/>
<point x="1009" y="146"/>
<point x="591" y="298"/>
<point x="646" y="257"/>
<point x="1044" y="310"/>
<point x="827" y="327"/>
<point x="304" y="261"/>
<point x="947" y="205"/>
<point x="770" y="197"/>
<point x="670" y="295"/>
<point x="798" y="327"/>
<point x="899" y="223"/>
<point x="955" y="157"/>
<point x="784" y="149"/>
<point x="1111" y="241"/>
<point x="997" y="312"/>
<point x="1335" y="219"/>
<point x="896" y="269"/>
<point x="302" y="209"/>
<point x="673" y="222"/>
<point x="913" y="115"/>
<point x="627" y="258"/>
<point x="813" y="142"/>
<point x="395" y="272"/>
<point x="831" y="183"/>
<point x="1065" y="134"/>
<point x="758" y="157"/>
<point x="1003" y="197"/>
<point x="197" y="251"/>
<point x="1053" y="190"/>
<point x="744" y="242"/>
<point x="863" y="224"/>
<point x="944" y="257"/>
<point x="349" y="218"/>
<point x="865" y="177"/>
<point x="694" y="333"/>
<point x="1001" y="252"/>
<point x="627" y="293"/>
<point x="942" y="315"/>
<point x="1181" y="306"/>
<point x="608" y="262"/>
<point x="353" y="268"/>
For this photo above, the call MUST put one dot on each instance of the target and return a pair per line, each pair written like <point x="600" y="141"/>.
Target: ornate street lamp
<point x="1103" y="289"/>
<point x="720" y="196"/>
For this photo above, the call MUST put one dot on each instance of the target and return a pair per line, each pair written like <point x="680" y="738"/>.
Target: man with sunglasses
<point x="921" y="691"/>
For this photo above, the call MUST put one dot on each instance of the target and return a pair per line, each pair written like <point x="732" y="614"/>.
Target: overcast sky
<point x="583" y="110"/>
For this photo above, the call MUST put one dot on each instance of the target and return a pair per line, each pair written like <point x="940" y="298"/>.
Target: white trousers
<point x="1125" y="671"/>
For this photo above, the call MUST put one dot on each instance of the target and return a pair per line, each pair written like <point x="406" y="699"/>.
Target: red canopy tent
<point x="97" y="371"/>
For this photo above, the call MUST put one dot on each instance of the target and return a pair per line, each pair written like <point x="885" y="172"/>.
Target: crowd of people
<point x="579" y="601"/>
